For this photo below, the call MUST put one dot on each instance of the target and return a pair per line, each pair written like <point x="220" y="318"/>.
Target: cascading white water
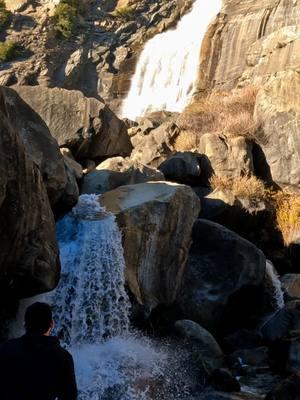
<point x="91" y="306"/>
<point x="167" y="69"/>
<point x="275" y="283"/>
<point x="91" y="311"/>
<point x="90" y="301"/>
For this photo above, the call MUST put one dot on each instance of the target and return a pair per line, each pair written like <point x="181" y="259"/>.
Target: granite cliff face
<point x="248" y="42"/>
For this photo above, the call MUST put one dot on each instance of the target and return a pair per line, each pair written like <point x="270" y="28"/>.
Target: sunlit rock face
<point x="278" y="112"/>
<point x="248" y="42"/>
<point x="156" y="220"/>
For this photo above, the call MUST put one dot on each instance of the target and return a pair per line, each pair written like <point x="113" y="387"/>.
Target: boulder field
<point x="202" y="204"/>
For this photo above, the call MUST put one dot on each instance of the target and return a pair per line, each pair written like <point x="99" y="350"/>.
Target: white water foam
<point x="167" y="69"/>
<point x="91" y="313"/>
<point x="276" y="288"/>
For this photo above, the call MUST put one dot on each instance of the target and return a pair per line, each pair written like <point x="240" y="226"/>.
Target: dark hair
<point x="38" y="318"/>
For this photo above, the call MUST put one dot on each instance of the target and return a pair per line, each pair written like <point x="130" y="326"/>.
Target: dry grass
<point x="229" y="113"/>
<point x="185" y="141"/>
<point x="284" y="206"/>
<point x="243" y="187"/>
<point x="287" y="211"/>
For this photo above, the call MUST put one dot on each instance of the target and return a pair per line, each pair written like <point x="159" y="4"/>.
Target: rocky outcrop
<point x="287" y="389"/>
<point x="278" y="113"/>
<point x="29" y="261"/>
<point x="156" y="220"/>
<point x="183" y="167"/>
<point x="248" y="42"/>
<point x="283" y="322"/>
<point x="156" y="146"/>
<point x="228" y="156"/>
<point x="85" y="125"/>
<point x="118" y="171"/>
<point x="40" y="146"/>
<point x="204" y="344"/>
<point x="222" y="272"/>
<point x="291" y="286"/>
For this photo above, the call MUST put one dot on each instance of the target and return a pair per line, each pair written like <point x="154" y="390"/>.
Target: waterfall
<point x="167" y="69"/>
<point x="275" y="284"/>
<point x="91" y="314"/>
<point x="90" y="302"/>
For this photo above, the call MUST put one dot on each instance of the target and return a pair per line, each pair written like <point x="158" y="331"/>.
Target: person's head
<point x="38" y="319"/>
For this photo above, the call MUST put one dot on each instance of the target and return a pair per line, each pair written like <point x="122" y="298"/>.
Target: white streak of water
<point x="276" y="285"/>
<point x="167" y="69"/>
<point x="91" y="311"/>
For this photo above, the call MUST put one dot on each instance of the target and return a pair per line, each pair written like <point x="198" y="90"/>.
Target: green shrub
<point x="65" y="20"/>
<point x="8" y="50"/>
<point x="124" y="12"/>
<point x="66" y="17"/>
<point x="4" y="15"/>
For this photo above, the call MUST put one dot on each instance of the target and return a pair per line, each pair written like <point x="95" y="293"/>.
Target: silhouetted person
<point x="35" y="366"/>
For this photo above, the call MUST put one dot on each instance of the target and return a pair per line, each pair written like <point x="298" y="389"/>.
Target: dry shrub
<point x="223" y="182"/>
<point x="185" y="141"/>
<point x="230" y="113"/>
<point x="244" y="187"/>
<point x="241" y="124"/>
<point x="249" y="187"/>
<point x="284" y="206"/>
<point x="287" y="211"/>
<point x="248" y="190"/>
<point x="242" y="100"/>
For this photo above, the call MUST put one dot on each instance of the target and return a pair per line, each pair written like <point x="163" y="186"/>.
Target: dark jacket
<point x="36" y="367"/>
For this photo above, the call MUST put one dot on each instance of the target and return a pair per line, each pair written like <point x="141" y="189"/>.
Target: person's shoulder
<point x="63" y="353"/>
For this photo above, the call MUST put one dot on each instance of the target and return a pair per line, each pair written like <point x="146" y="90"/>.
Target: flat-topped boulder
<point x="156" y="219"/>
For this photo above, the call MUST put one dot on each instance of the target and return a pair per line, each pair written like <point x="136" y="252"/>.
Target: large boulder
<point x="182" y="167"/>
<point x="291" y="286"/>
<point x="118" y="171"/>
<point x="155" y="147"/>
<point x="228" y="156"/>
<point x="279" y="116"/>
<point x="223" y="279"/>
<point x="288" y="389"/>
<point x="29" y="262"/>
<point x="156" y="220"/>
<point x="85" y="125"/>
<point x="40" y="146"/>
<point x="203" y="344"/>
<point x="283" y="322"/>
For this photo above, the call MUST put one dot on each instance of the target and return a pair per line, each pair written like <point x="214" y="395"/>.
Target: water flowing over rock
<point x="223" y="271"/>
<point x="167" y="68"/>
<point x="274" y="286"/>
<point x="91" y="314"/>
<point x="90" y="302"/>
<point x="156" y="219"/>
